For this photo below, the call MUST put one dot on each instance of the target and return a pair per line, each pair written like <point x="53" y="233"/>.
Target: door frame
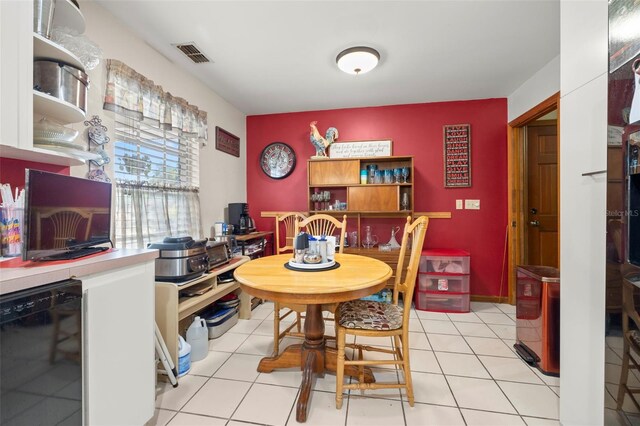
<point x="516" y="190"/>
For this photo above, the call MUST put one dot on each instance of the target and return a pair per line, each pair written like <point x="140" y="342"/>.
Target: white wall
<point x="583" y="145"/>
<point x="544" y="83"/>
<point x="222" y="176"/>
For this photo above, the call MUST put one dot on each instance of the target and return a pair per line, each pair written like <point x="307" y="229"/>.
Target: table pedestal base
<point x="313" y="357"/>
<point x="292" y="357"/>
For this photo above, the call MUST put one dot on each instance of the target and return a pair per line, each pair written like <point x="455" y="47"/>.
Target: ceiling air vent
<point x="192" y="52"/>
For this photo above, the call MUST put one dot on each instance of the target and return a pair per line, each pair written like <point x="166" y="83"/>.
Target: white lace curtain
<point x="147" y="215"/>
<point x="131" y="94"/>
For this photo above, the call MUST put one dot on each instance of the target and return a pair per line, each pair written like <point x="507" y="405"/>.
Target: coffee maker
<point x="240" y="219"/>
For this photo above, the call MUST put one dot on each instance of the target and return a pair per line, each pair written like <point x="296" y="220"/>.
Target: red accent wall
<point x="416" y="130"/>
<point x="620" y="97"/>
<point x="12" y="170"/>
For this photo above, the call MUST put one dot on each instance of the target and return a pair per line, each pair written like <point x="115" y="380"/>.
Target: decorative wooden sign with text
<point x="226" y="142"/>
<point x="355" y="149"/>
<point x="457" y="155"/>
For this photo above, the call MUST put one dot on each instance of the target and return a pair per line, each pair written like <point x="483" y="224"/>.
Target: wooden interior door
<point x="542" y="194"/>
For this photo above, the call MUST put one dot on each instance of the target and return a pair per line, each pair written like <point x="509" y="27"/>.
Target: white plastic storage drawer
<point x="442" y="302"/>
<point x="446" y="261"/>
<point x="450" y="283"/>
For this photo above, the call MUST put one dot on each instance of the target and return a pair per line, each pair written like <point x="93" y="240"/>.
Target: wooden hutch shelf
<point x="343" y="177"/>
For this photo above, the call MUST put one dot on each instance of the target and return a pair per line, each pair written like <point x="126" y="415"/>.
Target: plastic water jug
<point x="198" y="338"/>
<point x="184" y="357"/>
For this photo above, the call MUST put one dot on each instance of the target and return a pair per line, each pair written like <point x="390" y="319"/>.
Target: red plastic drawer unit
<point x="443" y="283"/>
<point x="442" y="302"/>
<point x="445" y="261"/>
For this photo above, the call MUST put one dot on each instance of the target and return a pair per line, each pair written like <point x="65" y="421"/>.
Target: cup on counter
<point x="11" y="222"/>
<point x="219" y="228"/>
<point x="322" y="250"/>
<point x="298" y="255"/>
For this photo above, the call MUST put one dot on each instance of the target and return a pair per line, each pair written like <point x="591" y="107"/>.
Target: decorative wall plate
<point x="99" y="175"/>
<point x="97" y="132"/>
<point x="98" y="135"/>
<point x="104" y="158"/>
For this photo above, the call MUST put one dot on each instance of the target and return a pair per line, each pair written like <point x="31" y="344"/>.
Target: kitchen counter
<point x="16" y="274"/>
<point x="117" y="327"/>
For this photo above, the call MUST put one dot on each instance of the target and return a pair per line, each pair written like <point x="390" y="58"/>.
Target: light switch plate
<point x="458" y="204"/>
<point x="472" y="204"/>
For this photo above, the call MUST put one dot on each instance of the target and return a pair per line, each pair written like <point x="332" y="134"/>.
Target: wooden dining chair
<point x="631" y="344"/>
<point x="323" y="224"/>
<point x="286" y="221"/>
<point x="363" y="318"/>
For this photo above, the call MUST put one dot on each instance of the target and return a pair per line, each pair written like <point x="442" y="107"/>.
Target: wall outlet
<point x="472" y="204"/>
<point x="458" y="204"/>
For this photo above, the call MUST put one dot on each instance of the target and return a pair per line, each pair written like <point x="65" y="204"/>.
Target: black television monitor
<point x="65" y="217"/>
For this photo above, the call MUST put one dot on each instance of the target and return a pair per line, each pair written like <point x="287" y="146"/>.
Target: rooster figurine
<point x="321" y="144"/>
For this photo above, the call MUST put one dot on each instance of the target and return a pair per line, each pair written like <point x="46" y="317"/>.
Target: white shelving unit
<point x="38" y="155"/>
<point x="66" y="15"/>
<point x="77" y="154"/>
<point x="19" y="103"/>
<point x="55" y="108"/>
<point x="46" y="49"/>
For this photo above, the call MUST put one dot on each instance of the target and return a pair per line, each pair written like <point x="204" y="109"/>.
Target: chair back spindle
<point x="288" y="222"/>
<point x="406" y="287"/>
<point x="323" y="224"/>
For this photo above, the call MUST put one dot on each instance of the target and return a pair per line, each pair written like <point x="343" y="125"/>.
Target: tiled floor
<point x="613" y="362"/>
<point x="463" y="366"/>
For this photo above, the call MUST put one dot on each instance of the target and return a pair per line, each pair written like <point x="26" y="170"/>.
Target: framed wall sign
<point x="457" y="155"/>
<point x="227" y="142"/>
<point x="354" y="149"/>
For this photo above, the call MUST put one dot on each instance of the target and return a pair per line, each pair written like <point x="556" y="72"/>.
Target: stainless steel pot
<point x="43" y="16"/>
<point x="61" y="81"/>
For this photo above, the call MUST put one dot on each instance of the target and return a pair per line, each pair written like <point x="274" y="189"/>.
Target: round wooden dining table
<point x="268" y="278"/>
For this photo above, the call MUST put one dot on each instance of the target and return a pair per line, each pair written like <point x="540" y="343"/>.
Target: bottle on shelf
<point x="369" y="239"/>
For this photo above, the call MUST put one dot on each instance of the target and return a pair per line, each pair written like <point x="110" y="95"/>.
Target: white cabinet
<point x="119" y="352"/>
<point x="19" y="103"/>
<point x="16" y="74"/>
<point x="583" y="150"/>
<point x="583" y="43"/>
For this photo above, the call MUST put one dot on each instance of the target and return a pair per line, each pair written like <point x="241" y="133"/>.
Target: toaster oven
<point x="218" y="252"/>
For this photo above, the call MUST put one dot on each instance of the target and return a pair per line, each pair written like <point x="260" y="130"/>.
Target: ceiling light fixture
<point x="358" y="60"/>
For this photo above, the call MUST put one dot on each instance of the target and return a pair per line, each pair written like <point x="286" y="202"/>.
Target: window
<point x="157" y="137"/>
<point x="157" y="183"/>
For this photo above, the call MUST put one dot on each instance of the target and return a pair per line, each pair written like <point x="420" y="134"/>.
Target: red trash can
<point x="538" y="317"/>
